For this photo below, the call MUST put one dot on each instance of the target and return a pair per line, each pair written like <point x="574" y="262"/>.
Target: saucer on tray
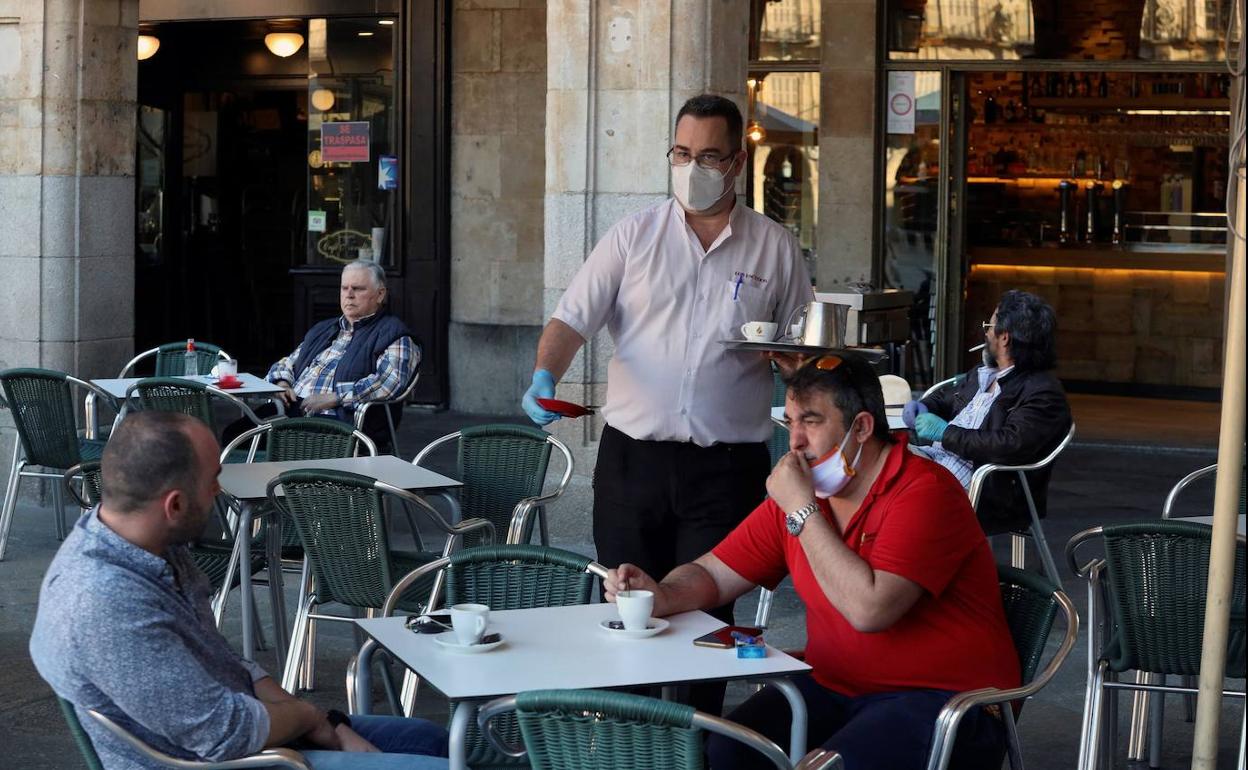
<point x="653" y="626"/>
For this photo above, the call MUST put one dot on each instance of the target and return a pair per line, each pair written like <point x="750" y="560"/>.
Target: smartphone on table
<point x="722" y="638"/>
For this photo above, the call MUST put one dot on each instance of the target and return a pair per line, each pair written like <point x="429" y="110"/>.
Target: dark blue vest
<point x="369" y="340"/>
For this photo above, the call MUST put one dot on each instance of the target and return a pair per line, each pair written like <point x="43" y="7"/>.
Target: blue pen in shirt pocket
<point x="736" y="290"/>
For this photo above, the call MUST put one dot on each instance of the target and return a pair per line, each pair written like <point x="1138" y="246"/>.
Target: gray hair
<point x="375" y="270"/>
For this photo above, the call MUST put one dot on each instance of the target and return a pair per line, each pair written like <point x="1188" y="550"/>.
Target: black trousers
<point x="660" y="504"/>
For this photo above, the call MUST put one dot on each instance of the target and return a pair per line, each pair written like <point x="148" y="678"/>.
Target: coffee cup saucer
<point x="653" y="626"/>
<point x="451" y="643"/>
<point x="229" y="383"/>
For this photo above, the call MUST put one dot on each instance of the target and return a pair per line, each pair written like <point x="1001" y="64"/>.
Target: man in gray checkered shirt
<point x="124" y="626"/>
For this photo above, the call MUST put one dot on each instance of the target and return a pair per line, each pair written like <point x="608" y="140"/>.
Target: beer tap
<point x="1094" y="191"/>
<point x="1120" y="204"/>
<point x="1065" y="191"/>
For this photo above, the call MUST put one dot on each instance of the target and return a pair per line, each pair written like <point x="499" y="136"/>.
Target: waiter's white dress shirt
<point x="668" y="304"/>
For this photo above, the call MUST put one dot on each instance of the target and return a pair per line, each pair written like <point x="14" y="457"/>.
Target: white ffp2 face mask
<point x="698" y="189"/>
<point x="833" y="471"/>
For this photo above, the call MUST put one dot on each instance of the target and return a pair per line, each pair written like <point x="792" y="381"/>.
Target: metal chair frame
<point x="306" y="612"/>
<point x="211" y="390"/>
<point x="269" y="758"/>
<point x="358" y="695"/>
<point x="1018" y="542"/>
<point x="946" y="733"/>
<point x="816" y="760"/>
<point x="1099" y="715"/>
<point x="17" y="471"/>
<point x="125" y="370"/>
<point x="1183" y="484"/>
<point x="524" y="509"/>
<point x="401" y="399"/>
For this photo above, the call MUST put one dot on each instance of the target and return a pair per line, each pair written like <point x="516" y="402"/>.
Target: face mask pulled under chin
<point x="833" y="471"/>
<point x="698" y="189"/>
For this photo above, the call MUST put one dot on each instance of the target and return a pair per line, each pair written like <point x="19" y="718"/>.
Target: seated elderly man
<point x="903" y="606"/>
<point x="366" y="354"/>
<point x="1011" y="410"/>
<point x="124" y="626"/>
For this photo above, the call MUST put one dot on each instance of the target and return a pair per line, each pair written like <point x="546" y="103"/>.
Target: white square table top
<point x="566" y="648"/>
<point x="247" y="481"/>
<point x="1209" y="521"/>
<point x="252" y="385"/>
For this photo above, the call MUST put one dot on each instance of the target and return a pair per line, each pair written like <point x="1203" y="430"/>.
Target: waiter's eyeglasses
<point x="708" y="160"/>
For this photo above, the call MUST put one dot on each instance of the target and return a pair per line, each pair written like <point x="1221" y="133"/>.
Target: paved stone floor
<point x="1094" y="483"/>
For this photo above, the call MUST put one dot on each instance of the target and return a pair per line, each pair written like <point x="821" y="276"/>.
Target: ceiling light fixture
<point x="323" y="99"/>
<point x="366" y="34"/>
<point x="148" y="46"/>
<point x="386" y="22"/>
<point x="283" y="44"/>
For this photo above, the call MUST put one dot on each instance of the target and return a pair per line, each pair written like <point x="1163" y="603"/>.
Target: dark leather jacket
<point x="1028" y="419"/>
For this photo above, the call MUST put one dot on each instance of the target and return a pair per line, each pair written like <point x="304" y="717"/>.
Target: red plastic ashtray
<point x="565" y="408"/>
<point x="229" y="384"/>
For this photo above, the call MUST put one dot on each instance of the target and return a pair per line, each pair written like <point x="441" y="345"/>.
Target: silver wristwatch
<point x="797" y="519"/>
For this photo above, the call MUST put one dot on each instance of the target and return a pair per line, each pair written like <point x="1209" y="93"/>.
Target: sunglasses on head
<point x="825" y="363"/>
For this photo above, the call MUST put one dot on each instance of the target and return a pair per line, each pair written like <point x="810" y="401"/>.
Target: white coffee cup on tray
<point x="635" y="608"/>
<point x="469" y="622"/>
<point x="758" y="331"/>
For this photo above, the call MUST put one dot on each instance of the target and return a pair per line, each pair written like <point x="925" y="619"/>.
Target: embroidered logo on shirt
<point x="749" y="279"/>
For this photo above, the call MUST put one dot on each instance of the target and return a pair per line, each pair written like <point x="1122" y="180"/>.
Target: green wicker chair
<point x="1146" y="614"/>
<point x="600" y="730"/>
<point x="269" y="758"/>
<point x="171" y="359"/>
<point x="504" y="577"/>
<point x="348" y="559"/>
<point x="503" y="469"/>
<point x="1031" y="604"/>
<point x="42" y="404"/>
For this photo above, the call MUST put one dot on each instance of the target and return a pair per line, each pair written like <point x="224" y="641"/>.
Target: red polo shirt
<point x="916" y="522"/>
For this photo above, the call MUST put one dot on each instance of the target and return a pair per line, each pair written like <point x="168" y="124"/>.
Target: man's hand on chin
<point x="320" y="402"/>
<point x="790" y="484"/>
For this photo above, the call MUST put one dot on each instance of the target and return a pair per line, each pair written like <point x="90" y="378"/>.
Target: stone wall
<point x="68" y="83"/>
<point x="847" y="156"/>
<point x="498" y="123"/>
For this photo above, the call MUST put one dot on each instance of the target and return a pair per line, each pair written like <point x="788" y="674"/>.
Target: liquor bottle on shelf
<point x="1102" y="86"/>
<point x="1072" y="86"/>
<point x="990" y="108"/>
<point x="1036" y="85"/>
<point x="1011" y="112"/>
<point x="1085" y="86"/>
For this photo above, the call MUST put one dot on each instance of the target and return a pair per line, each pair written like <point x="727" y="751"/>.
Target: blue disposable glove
<point x="929" y="426"/>
<point x="911" y="410"/>
<point x="543" y="387"/>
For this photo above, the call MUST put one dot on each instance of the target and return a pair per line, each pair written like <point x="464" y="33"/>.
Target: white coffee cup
<point x="635" y="608"/>
<point x="469" y="622"/>
<point x="758" y="331"/>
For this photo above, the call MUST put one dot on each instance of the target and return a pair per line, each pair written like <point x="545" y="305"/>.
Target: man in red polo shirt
<point x="903" y="607"/>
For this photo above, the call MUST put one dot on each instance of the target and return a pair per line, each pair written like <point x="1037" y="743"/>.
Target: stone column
<point x="68" y="75"/>
<point x="617" y="73"/>
<point x="847" y="158"/>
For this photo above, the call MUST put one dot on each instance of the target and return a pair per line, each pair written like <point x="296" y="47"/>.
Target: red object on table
<point x="229" y="382"/>
<point x="565" y="408"/>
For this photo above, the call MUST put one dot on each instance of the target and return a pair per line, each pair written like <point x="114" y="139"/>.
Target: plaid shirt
<point x="395" y="367"/>
<point x="972" y="416"/>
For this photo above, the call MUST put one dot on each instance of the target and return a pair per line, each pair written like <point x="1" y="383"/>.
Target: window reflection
<point x="788" y="30"/>
<point x="785" y="186"/>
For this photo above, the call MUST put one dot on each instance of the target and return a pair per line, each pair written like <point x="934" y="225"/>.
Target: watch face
<point x="794" y="523"/>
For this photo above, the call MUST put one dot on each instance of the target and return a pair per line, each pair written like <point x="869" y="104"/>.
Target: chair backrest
<point x="1030" y="608"/>
<point x="81" y="738"/>
<point x="1157" y="575"/>
<point x="339" y="518"/>
<point x="309" y="438"/>
<point x="171" y="394"/>
<point x="778" y="444"/>
<point x="500" y="465"/>
<point x="171" y="359"/>
<point x="517" y="577"/>
<point x="579" y="729"/>
<point x="89" y="492"/>
<point x="43" y="411"/>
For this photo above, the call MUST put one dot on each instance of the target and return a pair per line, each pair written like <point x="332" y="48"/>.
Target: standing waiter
<point x="682" y="459"/>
